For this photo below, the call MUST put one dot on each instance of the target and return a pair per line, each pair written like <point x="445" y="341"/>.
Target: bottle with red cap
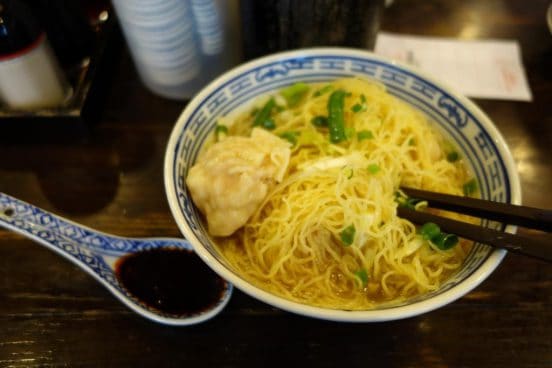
<point x="30" y="76"/>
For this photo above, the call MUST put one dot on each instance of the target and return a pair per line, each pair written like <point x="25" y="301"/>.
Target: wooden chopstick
<point x="534" y="246"/>
<point x="534" y="218"/>
<point x="537" y="247"/>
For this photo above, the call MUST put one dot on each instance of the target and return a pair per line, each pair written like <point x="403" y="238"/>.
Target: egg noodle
<point x="328" y="234"/>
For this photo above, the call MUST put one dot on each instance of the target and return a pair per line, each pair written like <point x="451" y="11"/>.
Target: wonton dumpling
<point x="231" y="179"/>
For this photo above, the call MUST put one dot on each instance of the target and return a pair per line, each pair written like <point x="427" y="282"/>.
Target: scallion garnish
<point x="294" y="93"/>
<point x="323" y="90"/>
<point x="348" y="235"/>
<point x="453" y="156"/>
<point x="363" y="277"/>
<point x="360" y="106"/>
<point x="349" y="172"/>
<point x="356" y="108"/>
<point x="269" y="124"/>
<point x="441" y="240"/>
<point x="220" y="131"/>
<point x="445" y="241"/>
<point x="264" y="114"/>
<point x="319" y="121"/>
<point x="429" y="230"/>
<point x="350" y="132"/>
<point x="373" y="168"/>
<point x="411" y="203"/>
<point x="336" y="120"/>
<point x="291" y="137"/>
<point x="470" y="187"/>
<point x="364" y="134"/>
<point x="451" y="153"/>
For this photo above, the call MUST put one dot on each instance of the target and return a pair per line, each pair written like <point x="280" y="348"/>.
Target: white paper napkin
<point x="479" y="68"/>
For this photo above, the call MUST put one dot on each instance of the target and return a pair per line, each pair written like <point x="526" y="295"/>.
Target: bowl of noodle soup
<point x="285" y="175"/>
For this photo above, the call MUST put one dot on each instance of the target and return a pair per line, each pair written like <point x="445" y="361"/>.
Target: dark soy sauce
<point x="171" y="280"/>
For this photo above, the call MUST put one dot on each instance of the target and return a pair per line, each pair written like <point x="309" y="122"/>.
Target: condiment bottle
<point x="69" y="28"/>
<point x="30" y="77"/>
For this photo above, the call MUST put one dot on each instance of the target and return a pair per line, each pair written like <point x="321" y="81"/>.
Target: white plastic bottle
<point x="30" y="77"/>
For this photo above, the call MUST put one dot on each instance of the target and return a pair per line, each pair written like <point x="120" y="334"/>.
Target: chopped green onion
<point x="349" y="132"/>
<point x="453" y="156"/>
<point x="420" y="205"/>
<point x="360" y="106"/>
<point x="291" y="137"/>
<point x="373" y="168"/>
<point x="401" y="200"/>
<point x="294" y="93"/>
<point x="348" y="235"/>
<point x="254" y="111"/>
<point x="349" y="172"/>
<point x="364" y="134"/>
<point x="221" y="129"/>
<point x="429" y="230"/>
<point x="269" y="124"/>
<point x="319" y="121"/>
<point x="336" y="120"/>
<point x="363" y="277"/>
<point x="356" y="108"/>
<point x="264" y="113"/>
<point x="470" y="187"/>
<point x="323" y="90"/>
<point x="279" y="108"/>
<point x="412" y="203"/>
<point x="445" y="241"/>
<point x="441" y="240"/>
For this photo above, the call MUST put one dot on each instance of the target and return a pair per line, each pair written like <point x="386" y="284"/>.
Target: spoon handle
<point x="74" y="242"/>
<point x="53" y="230"/>
<point x="92" y="250"/>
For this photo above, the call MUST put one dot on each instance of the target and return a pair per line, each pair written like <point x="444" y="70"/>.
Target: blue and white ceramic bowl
<point x="456" y="116"/>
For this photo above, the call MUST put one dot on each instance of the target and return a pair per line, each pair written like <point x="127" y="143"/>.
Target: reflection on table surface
<point x="110" y="178"/>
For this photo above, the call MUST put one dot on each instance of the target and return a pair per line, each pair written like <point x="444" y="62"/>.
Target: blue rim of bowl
<point x="441" y="298"/>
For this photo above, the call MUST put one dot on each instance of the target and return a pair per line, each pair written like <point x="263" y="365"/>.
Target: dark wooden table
<point x="54" y="315"/>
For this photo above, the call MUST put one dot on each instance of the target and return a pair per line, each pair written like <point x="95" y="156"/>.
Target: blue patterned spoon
<point x="98" y="253"/>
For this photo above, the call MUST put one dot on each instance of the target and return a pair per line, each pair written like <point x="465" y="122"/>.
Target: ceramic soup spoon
<point x="138" y="271"/>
